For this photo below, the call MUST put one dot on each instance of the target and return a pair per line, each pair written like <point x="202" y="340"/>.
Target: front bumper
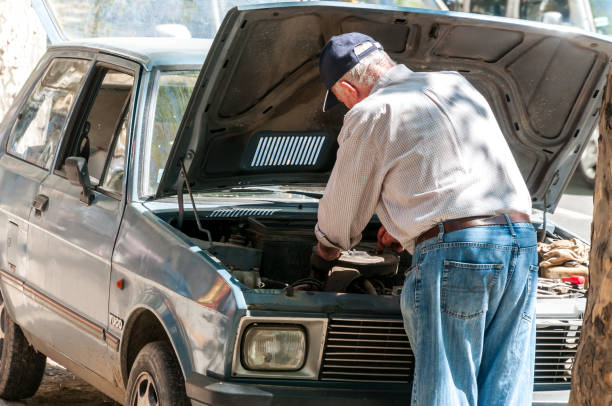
<point x="551" y="398"/>
<point x="206" y="391"/>
<point x="203" y="390"/>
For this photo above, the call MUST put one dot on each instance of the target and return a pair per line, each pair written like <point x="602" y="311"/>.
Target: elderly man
<point x="424" y="151"/>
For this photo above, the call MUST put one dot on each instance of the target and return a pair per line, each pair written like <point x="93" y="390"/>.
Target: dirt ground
<point x="60" y="388"/>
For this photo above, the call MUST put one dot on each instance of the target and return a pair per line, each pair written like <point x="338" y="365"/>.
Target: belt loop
<point x="510" y="225"/>
<point x="441" y="233"/>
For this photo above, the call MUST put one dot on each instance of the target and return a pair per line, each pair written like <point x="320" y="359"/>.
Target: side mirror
<point x="78" y="175"/>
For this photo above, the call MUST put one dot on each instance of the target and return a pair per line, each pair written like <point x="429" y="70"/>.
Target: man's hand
<point x="386" y="240"/>
<point x="328" y="253"/>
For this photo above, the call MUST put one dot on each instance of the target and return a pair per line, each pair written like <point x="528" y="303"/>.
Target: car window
<point x="172" y="93"/>
<point x="602" y="16"/>
<point x="113" y="177"/>
<point x="38" y="129"/>
<point x="104" y="120"/>
<point x="548" y="11"/>
<point x="430" y="4"/>
<point x="490" y="7"/>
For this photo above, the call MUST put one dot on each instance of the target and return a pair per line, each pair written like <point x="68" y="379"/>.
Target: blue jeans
<point x="469" y="311"/>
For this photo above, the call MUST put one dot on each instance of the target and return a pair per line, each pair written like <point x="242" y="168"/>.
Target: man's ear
<point x="349" y="89"/>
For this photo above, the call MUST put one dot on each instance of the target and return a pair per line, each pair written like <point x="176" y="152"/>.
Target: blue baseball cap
<point x="339" y="56"/>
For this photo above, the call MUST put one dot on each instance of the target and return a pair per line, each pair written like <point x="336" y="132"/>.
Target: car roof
<point x="150" y="52"/>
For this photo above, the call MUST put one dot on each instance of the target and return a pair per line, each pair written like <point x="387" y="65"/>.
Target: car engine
<point x="277" y="253"/>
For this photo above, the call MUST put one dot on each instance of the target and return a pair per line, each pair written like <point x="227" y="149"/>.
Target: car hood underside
<point x="255" y="115"/>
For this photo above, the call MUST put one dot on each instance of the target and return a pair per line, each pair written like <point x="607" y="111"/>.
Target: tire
<point x="588" y="160"/>
<point x="21" y="366"/>
<point x="156" y="378"/>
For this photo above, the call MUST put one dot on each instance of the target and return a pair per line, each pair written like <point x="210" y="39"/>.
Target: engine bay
<point x="267" y="252"/>
<point x="276" y="252"/>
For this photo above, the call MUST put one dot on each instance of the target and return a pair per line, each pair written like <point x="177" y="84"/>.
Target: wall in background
<point x="22" y="42"/>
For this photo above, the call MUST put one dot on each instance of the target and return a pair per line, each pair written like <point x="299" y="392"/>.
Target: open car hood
<point x="255" y="115"/>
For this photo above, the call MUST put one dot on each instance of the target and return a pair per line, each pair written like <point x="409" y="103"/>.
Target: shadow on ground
<point x="61" y="388"/>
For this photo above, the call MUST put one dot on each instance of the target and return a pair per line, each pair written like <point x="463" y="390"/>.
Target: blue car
<point x="158" y="198"/>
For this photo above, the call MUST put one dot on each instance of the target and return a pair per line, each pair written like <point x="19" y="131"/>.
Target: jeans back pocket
<point x="465" y="288"/>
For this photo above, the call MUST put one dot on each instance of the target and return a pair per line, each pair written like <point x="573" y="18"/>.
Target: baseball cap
<point x="338" y="56"/>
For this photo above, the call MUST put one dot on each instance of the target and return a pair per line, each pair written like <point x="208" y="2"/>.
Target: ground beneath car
<point x="60" y="387"/>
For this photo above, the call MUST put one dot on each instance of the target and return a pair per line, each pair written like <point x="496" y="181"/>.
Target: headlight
<point x="274" y="347"/>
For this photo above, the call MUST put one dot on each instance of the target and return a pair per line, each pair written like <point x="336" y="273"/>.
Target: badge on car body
<point x="116" y="322"/>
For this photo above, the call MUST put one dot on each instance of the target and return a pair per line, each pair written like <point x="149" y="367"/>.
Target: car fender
<point x="160" y="307"/>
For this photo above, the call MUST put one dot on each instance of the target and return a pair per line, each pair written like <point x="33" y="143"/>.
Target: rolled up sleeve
<point x="354" y="186"/>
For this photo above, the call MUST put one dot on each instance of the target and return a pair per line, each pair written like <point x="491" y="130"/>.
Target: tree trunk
<point x="592" y="372"/>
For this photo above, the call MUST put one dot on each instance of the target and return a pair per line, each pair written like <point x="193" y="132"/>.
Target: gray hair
<point x="369" y="69"/>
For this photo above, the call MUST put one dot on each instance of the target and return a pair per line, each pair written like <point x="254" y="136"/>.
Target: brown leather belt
<point x="465" y="222"/>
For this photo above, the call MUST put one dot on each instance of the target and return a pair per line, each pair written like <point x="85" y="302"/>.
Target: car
<point x="159" y="196"/>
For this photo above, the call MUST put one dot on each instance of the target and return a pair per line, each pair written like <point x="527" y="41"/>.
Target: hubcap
<point x="145" y="393"/>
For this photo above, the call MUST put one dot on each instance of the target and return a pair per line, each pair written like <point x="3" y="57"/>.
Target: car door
<point x="70" y="243"/>
<point x="33" y="130"/>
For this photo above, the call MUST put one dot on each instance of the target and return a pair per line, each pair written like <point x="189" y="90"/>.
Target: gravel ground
<point x="61" y="388"/>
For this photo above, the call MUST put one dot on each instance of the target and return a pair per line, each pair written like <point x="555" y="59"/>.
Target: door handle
<point x="40" y="203"/>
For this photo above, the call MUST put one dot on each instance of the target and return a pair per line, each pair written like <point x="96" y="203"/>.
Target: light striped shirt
<point x="420" y="149"/>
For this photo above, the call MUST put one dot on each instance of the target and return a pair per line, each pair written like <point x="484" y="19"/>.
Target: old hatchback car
<point x="161" y="269"/>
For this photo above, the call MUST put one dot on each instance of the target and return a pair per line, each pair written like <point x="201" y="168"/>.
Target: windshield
<point x="602" y="16"/>
<point x="170" y="97"/>
<point x="161" y="18"/>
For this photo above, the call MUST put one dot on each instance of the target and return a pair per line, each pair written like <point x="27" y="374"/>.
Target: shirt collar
<point x="396" y="74"/>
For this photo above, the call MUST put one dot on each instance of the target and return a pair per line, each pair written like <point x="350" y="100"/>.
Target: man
<point x="424" y="151"/>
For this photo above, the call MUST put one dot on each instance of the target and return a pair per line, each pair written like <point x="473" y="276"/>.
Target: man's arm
<point x="354" y="187"/>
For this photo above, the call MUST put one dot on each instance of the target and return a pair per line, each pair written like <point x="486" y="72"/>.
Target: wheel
<point x="588" y="160"/>
<point x="156" y="378"/>
<point x="21" y="366"/>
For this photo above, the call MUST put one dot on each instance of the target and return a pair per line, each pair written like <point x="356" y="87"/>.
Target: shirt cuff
<point x="322" y="237"/>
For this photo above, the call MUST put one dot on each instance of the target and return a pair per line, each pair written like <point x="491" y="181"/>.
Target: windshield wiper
<point x="314" y="195"/>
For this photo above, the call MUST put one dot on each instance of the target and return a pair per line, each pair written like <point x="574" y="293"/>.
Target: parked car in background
<point x="159" y="195"/>
<point x="590" y="15"/>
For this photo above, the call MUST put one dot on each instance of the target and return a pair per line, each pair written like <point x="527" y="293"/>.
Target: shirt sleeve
<point x="354" y="187"/>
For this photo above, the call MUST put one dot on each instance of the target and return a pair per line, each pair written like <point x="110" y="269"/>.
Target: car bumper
<point x="206" y="391"/>
<point x="551" y="398"/>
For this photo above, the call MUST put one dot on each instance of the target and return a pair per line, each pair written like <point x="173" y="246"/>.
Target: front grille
<point x="556" y="345"/>
<point x="371" y="350"/>
<point x="367" y="351"/>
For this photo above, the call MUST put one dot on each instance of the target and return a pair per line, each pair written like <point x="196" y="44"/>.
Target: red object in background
<point x="120" y="284"/>
<point x="574" y="280"/>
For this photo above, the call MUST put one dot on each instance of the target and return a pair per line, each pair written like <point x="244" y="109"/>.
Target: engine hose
<point x="369" y="287"/>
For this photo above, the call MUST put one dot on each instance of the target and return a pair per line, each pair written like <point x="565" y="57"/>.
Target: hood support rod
<point x="543" y="235"/>
<point x="185" y="181"/>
